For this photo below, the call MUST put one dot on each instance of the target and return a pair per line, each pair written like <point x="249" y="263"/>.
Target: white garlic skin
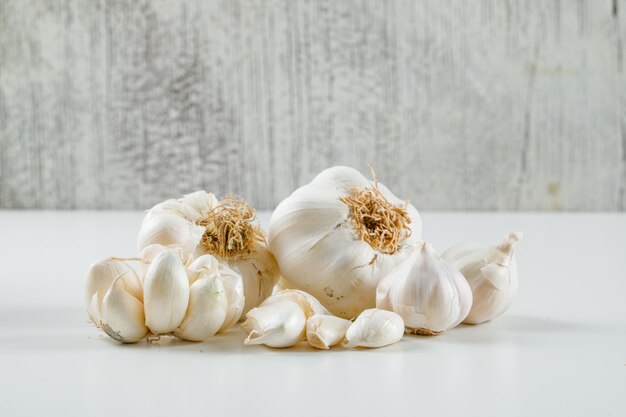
<point x="122" y="312"/>
<point x="428" y="293"/>
<point x="318" y="250"/>
<point x="147" y="255"/>
<point x="492" y="275"/>
<point x="374" y="328"/>
<point x="166" y="293"/>
<point x="168" y="228"/>
<point x="206" y="311"/>
<point x="100" y="278"/>
<point x="279" y="324"/>
<point x="324" y="331"/>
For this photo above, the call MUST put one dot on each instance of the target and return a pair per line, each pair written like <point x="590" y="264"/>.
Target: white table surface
<point x="560" y="349"/>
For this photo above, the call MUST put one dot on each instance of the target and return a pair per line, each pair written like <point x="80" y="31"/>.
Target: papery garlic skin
<point x="324" y="331"/>
<point x="374" y="328"/>
<point x="492" y="275"/>
<point x="122" y="312"/>
<point x="428" y="293"/>
<point x="277" y="324"/>
<point x="166" y="293"/>
<point x="318" y="249"/>
<point x="206" y="311"/>
<point x="100" y="278"/>
<point x="181" y="223"/>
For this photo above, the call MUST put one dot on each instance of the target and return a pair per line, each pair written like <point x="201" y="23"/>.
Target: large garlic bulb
<point x="339" y="235"/>
<point x="491" y="273"/>
<point x="200" y="224"/>
<point x="428" y="293"/>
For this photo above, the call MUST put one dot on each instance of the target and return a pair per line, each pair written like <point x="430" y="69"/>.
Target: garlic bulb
<point x="233" y="285"/>
<point x="324" y="331"/>
<point x="99" y="279"/>
<point x="374" y="328"/>
<point x="339" y="235"/>
<point x="492" y="276"/>
<point x="427" y="292"/>
<point x="281" y="319"/>
<point x="122" y="311"/>
<point x="166" y="293"/>
<point x="200" y="224"/>
<point x="207" y="309"/>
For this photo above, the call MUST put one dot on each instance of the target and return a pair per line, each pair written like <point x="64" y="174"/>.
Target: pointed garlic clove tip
<point x="374" y="328"/>
<point x="122" y="313"/>
<point x="206" y="312"/>
<point x="324" y="331"/>
<point x="510" y="241"/>
<point x="166" y="293"/>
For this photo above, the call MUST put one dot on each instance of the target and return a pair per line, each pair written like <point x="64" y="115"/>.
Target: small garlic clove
<point x="168" y="228"/>
<point x="122" y="313"/>
<point x="278" y="324"/>
<point x="233" y="285"/>
<point x="207" y="309"/>
<point x="99" y="279"/>
<point x="323" y="331"/>
<point x="166" y="293"/>
<point x="374" y="328"/>
<point x="201" y="266"/>
<point x="492" y="276"/>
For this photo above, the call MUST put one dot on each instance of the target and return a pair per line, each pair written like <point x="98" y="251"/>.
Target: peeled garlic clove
<point x="122" y="312"/>
<point x="278" y="324"/>
<point x="166" y="293"/>
<point x="207" y="309"/>
<point x="167" y="228"/>
<point x="323" y="331"/>
<point x="428" y="293"/>
<point x="233" y="285"/>
<point x="99" y="279"/>
<point x="374" y="328"/>
<point x="202" y="266"/>
<point x="492" y="275"/>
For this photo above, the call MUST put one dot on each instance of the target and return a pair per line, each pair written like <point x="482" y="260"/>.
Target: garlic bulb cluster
<point x="193" y="302"/>
<point x="491" y="273"/>
<point x="374" y="328"/>
<point x="428" y="293"/>
<point x="291" y="316"/>
<point x="200" y="224"/>
<point x="339" y="235"/>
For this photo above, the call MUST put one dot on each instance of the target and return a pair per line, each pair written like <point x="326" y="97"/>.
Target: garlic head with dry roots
<point x="428" y="293"/>
<point x="339" y="235"/>
<point x="200" y="224"/>
<point x="491" y="273"/>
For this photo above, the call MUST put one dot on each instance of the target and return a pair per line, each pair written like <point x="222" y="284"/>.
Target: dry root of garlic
<point x="192" y="300"/>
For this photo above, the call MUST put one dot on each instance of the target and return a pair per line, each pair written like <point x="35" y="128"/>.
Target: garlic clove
<point x="310" y="305"/>
<point x="492" y="276"/>
<point x="323" y="331"/>
<point x="99" y="279"/>
<point x="147" y="255"/>
<point x="166" y="293"/>
<point x="122" y="312"/>
<point x="168" y="228"/>
<point x="374" y="328"/>
<point x="277" y="324"/>
<point x="233" y="285"/>
<point x="207" y="309"/>
<point x="428" y="293"/>
<point x="201" y="266"/>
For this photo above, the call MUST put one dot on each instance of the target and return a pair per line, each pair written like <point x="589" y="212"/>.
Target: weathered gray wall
<point x="457" y="104"/>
